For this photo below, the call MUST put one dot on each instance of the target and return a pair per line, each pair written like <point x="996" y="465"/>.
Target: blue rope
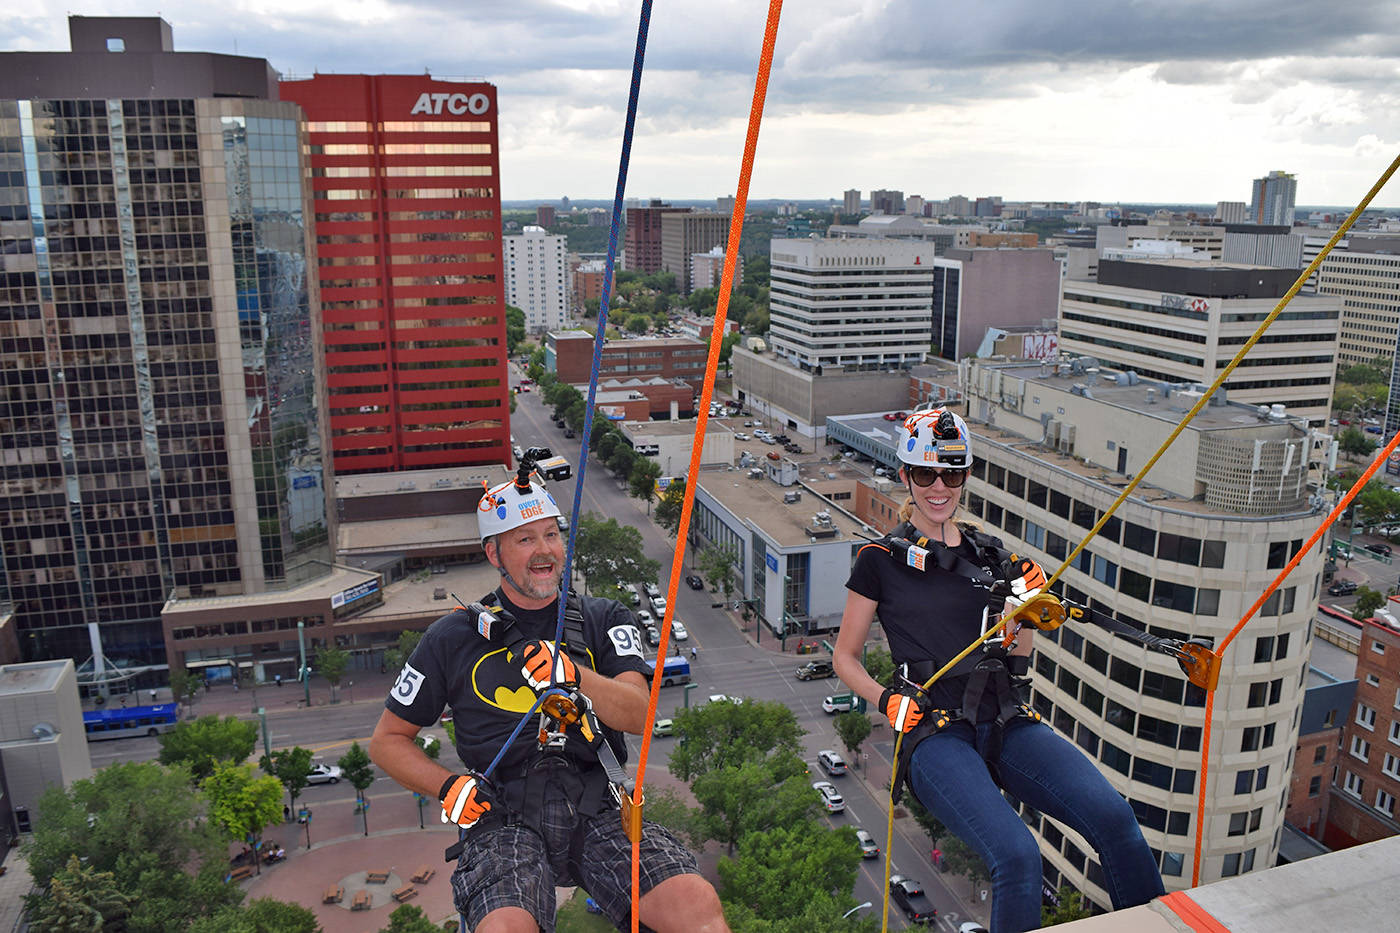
<point x="587" y="433"/>
<point x="604" y="299"/>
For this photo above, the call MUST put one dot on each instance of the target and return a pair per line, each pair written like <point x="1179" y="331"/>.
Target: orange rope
<point x="1327" y="523"/>
<point x="731" y="255"/>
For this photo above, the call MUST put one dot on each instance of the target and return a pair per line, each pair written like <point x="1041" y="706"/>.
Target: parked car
<point x="773" y="455"/>
<point x="1342" y="588"/>
<point x="678" y="631"/>
<point x="1383" y="549"/>
<point x="816" y="670"/>
<point x="841" y="703"/>
<point x="569" y="432"/>
<point x="768" y="439"/>
<point x="645" y="618"/>
<point x="662" y="727"/>
<point x="971" y="926"/>
<point x="740" y="436"/>
<point x="323" y="774"/>
<point x="652" y="590"/>
<point x="695" y="582"/>
<point x="910" y="897"/>
<point x="832" y="763"/>
<point x="868" y="848"/>
<point x="831" y="798"/>
<point x="633" y="595"/>
<point x="659" y="606"/>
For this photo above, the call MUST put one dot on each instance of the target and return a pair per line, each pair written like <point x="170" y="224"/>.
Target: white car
<point x="831" y="798"/>
<point x="841" y="703"/>
<point x="658" y="605"/>
<point x="645" y="618"/>
<point x="740" y="436"/>
<point x="678" y="631"/>
<point x="323" y="774"/>
<point x="652" y="590"/>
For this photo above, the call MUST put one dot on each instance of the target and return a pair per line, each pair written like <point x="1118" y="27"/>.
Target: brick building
<point x="641" y="242"/>
<point x="1362" y="805"/>
<point x="569" y="354"/>
<point x="1325" y="707"/>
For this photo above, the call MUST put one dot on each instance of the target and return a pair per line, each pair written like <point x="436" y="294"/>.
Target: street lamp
<point x="856" y="908"/>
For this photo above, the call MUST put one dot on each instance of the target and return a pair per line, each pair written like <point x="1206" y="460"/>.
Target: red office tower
<point x="406" y="180"/>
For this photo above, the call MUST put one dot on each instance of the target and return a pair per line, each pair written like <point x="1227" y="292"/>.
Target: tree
<point x="139" y="821"/>
<point x="852" y="728"/>
<point x="408" y="918"/>
<point x="750" y="796"/>
<point x="290" y="766"/>
<point x="930" y="824"/>
<point x="607" y="551"/>
<point x="879" y="665"/>
<point x="606" y="444"/>
<point x="1353" y="442"/>
<point x="201" y="745"/>
<point x="331" y="661"/>
<point x="356" y="768"/>
<point x="264" y="915"/>
<point x="961" y="860"/>
<point x="1070" y="908"/>
<point x="621" y="460"/>
<point x="726" y="349"/>
<point x="184" y="687"/>
<point x="717" y="564"/>
<point x="515" y="329"/>
<point x="80" y="899"/>
<point x="642" y="481"/>
<point x="637" y="323"/>
<point x="668" y="510"/>
<point x="1377" y="504"/>
<point x="722" y="735"/>
<point x="396" y="657"/>
<point x="242" y="805"/>
<point x="779" y="872"/>
<point x="1367" y="602"/>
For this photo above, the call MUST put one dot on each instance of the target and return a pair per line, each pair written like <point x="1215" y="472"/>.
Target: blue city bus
<point x="673" y="671"/>
<point x="128" y="721"/>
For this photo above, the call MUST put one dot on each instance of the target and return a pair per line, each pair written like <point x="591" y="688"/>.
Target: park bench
<point x="424" y="873"/>
<point x="376" y="876"/>
<point x="333" y="894"/>
<point x="361" y="900"/>
<point x="405" y="893"/>
<point x="242" y="872"/>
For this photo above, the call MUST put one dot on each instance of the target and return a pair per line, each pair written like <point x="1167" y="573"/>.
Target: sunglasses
<point x="924" y="476"/>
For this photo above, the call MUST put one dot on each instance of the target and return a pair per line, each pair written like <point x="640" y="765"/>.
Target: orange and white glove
<point x="903" y="708"/>
<point x="546" y="665"/>
<point x="1026" y="578"/>
<point x="464" y="799"/>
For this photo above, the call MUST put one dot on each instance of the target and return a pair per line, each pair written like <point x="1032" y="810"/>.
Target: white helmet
<point x="934" y="437"/>
<point x="512" y="504"/>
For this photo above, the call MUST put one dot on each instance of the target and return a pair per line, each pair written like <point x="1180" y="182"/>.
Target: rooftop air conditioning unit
<point x="1067" y="433"/>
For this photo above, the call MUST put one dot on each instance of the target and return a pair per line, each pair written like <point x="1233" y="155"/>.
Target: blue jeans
<point x="1041" y="769"/>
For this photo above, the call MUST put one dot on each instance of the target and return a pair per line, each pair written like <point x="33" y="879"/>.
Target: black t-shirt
<point x="453" y="666"/>
<point x="928" y="615"/>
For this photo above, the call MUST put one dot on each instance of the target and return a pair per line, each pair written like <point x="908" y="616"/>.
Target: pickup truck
<point x="910" y="897"/>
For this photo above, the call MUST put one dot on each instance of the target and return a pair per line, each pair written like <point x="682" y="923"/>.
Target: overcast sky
<point x="1105" y="100"/>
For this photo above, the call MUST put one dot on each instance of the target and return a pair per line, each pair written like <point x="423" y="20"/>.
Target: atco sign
<point x="458" y="104"/>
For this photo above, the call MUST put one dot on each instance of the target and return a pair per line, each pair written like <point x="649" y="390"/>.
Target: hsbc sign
<point x="457" y="104"/>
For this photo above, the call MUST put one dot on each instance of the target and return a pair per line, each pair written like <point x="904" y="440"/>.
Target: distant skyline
<point x="1142" y="103"/>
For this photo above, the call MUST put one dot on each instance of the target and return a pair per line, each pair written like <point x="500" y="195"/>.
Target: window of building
<point x="1395" y="731"/>
<point x="1125" y="673"/>
<point x="1385" y="803"/>
<point x="1231" y="866"/>
<point x="1263" y="649"/>
<point x="1178" y="823"/>
<point x="1391" y="766"/>
<point x="1179" y="549"/>
<point x="1244" y="781"/>
<point x="1319" y="754"/>
<point x="1315" y="785"/>
<point x="1365" y="716"/>
<point x="1377" y="647"/>
<point x="1372" y="680"/>
<point x="1213" y="554"/>
<point x="1238" y="821"/>
<point x="1116" y="758"/>
<point x="1172" y="863"/>
<point x="1353" y="785"/>
<point x="1136" y="585"/>
<point x="1249" y="739"/>
<point x="1138" y="538"/>
<point x="1096" y="657"/>
<point x="1092" y="700"/>
<point x="1059" y="503"/>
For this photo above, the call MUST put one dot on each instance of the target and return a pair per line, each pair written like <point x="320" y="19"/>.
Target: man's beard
<point x="533" y="589"/>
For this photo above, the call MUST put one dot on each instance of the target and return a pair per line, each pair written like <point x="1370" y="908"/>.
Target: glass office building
<point x="160" y="436"/>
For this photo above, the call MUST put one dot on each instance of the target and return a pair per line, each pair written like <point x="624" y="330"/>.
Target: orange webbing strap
<point x="1196" y="917"/>
<point x="1313" y="539"/>
<point x="731" y="256"/>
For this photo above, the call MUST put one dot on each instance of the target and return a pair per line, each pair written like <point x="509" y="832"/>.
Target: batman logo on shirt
<point x="498" y="681"/>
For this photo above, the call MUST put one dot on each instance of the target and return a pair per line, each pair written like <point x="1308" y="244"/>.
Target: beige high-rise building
<point x="1178" y="321"/>
<point x="1210" y="528"/>
<point x="1365" y="277"/>
<point x="850" y="203"/>
<point x="685" y="234"/>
